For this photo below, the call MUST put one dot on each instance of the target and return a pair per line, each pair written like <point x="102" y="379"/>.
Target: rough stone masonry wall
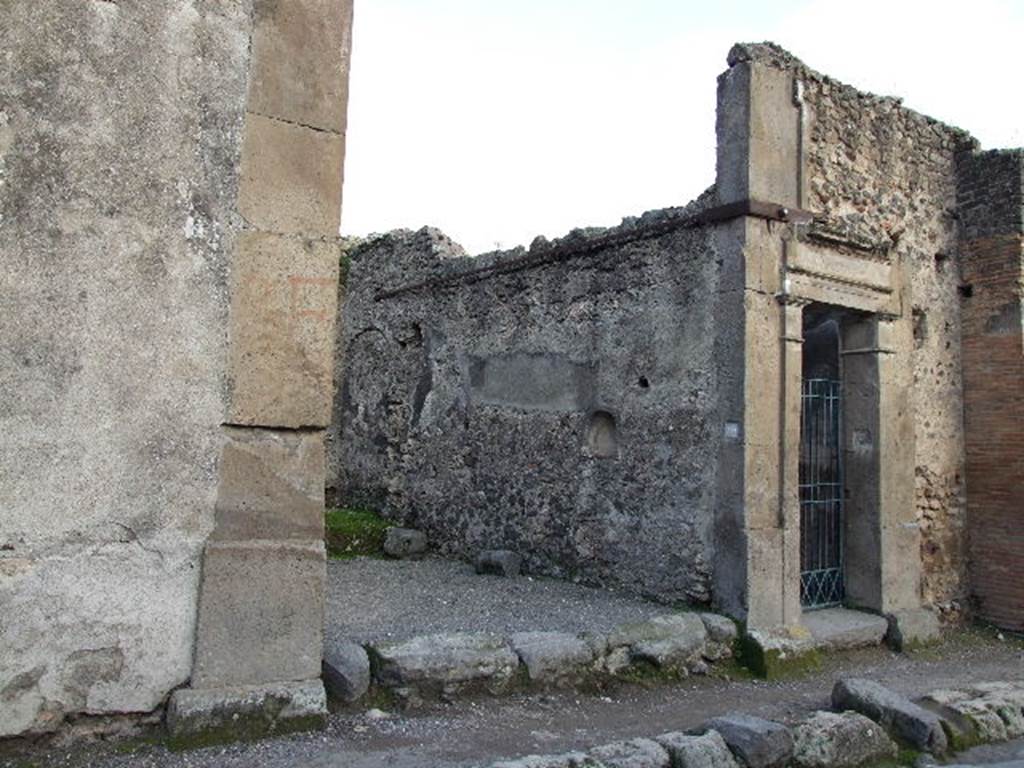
<point x="478" y="410"/>
<point x="992" y="208"/>
<point x="119" y="139"/>
<point x="880" y="173"/>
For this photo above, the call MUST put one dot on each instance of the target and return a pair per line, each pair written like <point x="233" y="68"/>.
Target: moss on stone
<point x="353" y="532"/>
<point x="773" y="663"/>
<point x="252" y="727"/>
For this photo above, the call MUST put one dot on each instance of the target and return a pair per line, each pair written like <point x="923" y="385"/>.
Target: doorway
<point x="821" y="471"/>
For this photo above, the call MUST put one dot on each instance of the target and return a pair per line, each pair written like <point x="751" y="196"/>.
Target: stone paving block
<point x="566" y="760"/>
<point x="290" y="177"/>
<point x="346" y="670"/>
<point x="552" y="655"/>
<point x="283" y="639"/>
<point x="271" y="485"/>
<point x="404" y="542"/>
<point x="634" y="753"/>
<point x="721" y="629"/>
<point x="439" y="660"/>
<point x="499" y="562"/>
<point x="905" y="720"/>
<point x="300" y="62"/>
<point x="708" y="750"/>
<point x="283" y="308"/>
<point x="840" y="740"/>
<point x="666" y="640"/>
<point x="757" y="743"/>
<point x="912" y="627"/>
<point x="840" y="628"/>
<point x="207" y="716"/>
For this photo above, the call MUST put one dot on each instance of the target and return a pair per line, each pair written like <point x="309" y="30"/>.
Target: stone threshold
<point x="867" y="725"/>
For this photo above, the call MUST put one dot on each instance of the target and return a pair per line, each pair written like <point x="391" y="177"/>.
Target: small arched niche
<point x="602" y="436"/>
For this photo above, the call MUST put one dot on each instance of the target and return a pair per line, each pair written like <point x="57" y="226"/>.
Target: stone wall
<point x="877" y="173"/>
<point x="559" y="402"/>
<point x="119" y="140"/>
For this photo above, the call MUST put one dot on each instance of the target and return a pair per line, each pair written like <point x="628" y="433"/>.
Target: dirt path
<point x="471" y="733"/>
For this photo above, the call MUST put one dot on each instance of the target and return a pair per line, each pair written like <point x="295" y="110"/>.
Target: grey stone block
<point x="500" y="562"/>
<point x="665" y="641"/>
<point x="404" y="542"/>
<point x="912" y="627"/>
<point x="346" y="670"/>
<point x="566" y="760"/>
<point x="757" y="743"/>
<point x="439" y="660"/>
<point x="261" y="613"/>
<point x="721" y="629"/>
<point x="551" y="655"/>
<point x="197" y="716"/>
<point x="705" y="751"/>
<point x="839" y="628"/>
<point x="634" y="753"/>
<point x="905" y="720"/>
<point x="840" y="740"/>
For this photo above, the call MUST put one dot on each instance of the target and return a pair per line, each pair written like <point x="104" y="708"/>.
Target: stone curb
<point x="443" y="665"/>
<point x="837" y="739"/>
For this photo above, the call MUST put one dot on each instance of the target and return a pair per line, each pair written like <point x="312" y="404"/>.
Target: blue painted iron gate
<point x="821" y="495"/>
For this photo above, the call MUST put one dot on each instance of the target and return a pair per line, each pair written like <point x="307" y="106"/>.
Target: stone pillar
<point x="260" y="627"/>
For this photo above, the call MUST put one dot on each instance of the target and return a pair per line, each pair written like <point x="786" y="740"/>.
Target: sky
<point x="501" y="120"/>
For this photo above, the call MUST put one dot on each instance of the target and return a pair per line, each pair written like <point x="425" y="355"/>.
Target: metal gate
<point x="821" y="495"/>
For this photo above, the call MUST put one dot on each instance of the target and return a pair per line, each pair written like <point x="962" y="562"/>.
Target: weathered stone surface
<point x="905" y="720"/>
<point x="840" y="740"/>
<point x="500" y="562"/>
<point x="297" y="73"/>
<point x="283" y="309"/>
<point x="290" y="178"/>
<point x="116" y="232"/>
<point x="283" y="640"/>
<point x="346" y="670"/>
<point x="913" y="627"/>
<point x="771" y="654"/>
<point x="443" y="659"/>
<point x="988" y="714"/>
<point x="566" y="760"/>
<point x="708" y="750"/>
<point x="404" y="542"/>
<point x="197" y="716"/>
<point x="634" y="753"/>
<point x="757" y="743"/>
<point x="665" y="641"/>
<point x="270" y="485"/>
<point x="838" y="628"/>
<point x="552" y="655"/>
<point x="721" y="629"/>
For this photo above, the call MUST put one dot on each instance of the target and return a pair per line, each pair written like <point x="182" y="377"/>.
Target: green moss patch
<point x="773" y="664"/>
<point x="353" y="532"/>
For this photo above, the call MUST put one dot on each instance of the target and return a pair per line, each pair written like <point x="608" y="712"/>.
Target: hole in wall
<point x="920" y="326"/>
<point x="643" y="382"/>
<point x="602" y="436"/>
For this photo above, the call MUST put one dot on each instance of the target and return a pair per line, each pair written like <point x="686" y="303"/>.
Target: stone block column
<point x="260" y="626"/>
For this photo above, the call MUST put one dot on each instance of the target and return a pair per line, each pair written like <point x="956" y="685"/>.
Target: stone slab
<point x="756" y="742"/>
<point x="913" y="627"/>
<point x="708" y="750"/>
<point x="198" y="717"/>
<point x="290" y="178"/>
<point x="552" y="655"/>
<point x="687" y="627"/>
<point x="261" y="610"/>
<point x="444" y="659"/>
<point x="840" y="740"/>
<point x="903" y="719"/>
<point x="346" y="671"/>
<point x="841" y="628"/>
<point x="271" y="485"/>
<point x="565" y="760"/>
<point x="404" y="542"/>
<point x="283" y="311"/>
<point x="300" y="57"/>
<point x="633" y="753"/>
<point x="498" y="562"/>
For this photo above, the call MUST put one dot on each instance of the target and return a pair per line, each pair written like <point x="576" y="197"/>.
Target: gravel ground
<point x="372" y="599"/>
<point x="477" y="732"/>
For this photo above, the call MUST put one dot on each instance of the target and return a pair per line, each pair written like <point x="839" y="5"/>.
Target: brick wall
<point x="990" y="203"/>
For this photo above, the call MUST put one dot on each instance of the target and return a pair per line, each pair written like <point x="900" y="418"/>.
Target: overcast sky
<point x="498" y="120"/>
